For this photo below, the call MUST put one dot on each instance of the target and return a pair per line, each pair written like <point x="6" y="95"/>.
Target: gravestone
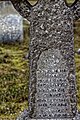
<point x="11" y="23"/>
<point x="52" y="84"/>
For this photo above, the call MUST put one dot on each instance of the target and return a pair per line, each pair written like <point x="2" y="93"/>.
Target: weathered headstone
<point x="52" y="85"/>
<point x="11" y="23"/>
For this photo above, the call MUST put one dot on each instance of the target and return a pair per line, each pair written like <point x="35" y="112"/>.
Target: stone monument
<point x="52" y="84"/>
<point x="11" y="23"/>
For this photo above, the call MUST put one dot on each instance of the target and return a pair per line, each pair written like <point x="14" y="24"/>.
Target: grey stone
<point x="11" y="24"/>
<point x="52" y="84"/>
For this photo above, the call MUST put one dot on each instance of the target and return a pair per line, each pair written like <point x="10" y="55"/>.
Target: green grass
<point x="14" y="74"/>
<point x="70" y="1"/>
<point x="77" y="59"/>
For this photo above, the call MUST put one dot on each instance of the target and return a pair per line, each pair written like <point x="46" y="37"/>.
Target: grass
<point x="14" y="75"/>
<point x="77" y="59"/>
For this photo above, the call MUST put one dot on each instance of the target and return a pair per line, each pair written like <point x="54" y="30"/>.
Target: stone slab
<point x="11" y="25"/>
<point x="51" y="58"/>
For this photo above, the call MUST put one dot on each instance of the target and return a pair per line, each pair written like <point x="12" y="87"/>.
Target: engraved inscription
<point x="52" y="98"/>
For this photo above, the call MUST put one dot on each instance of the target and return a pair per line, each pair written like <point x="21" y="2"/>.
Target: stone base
<point x="24" y="116"/>
<point x="55" y="119"/>
<point x="76" y="118"/>
<point x="50" y="119"/>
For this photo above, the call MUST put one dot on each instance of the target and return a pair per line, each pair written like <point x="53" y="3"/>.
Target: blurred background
<point x="14" y="65"/>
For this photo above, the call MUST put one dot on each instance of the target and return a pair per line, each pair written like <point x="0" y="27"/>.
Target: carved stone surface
<point x="52" y="27"/>
<point x="52" y="86"/>
<point x="11" y="25"/>
<point x="52" y="97"/>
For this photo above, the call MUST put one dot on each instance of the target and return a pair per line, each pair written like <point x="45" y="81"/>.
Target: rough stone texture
<point x="52" y="86"/>
<point x="11" y="24"/>
<point x="52" y="96"/>
<point x="23" y="6"/>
